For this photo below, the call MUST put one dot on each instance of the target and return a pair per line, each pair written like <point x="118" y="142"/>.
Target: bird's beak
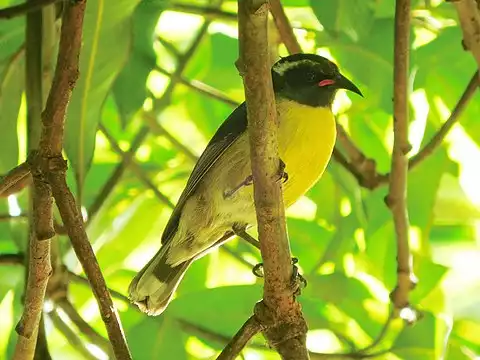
<point x="343" y="83"/>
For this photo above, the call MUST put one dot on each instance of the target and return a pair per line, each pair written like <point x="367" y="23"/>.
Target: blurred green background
<point x="157" y="79"/>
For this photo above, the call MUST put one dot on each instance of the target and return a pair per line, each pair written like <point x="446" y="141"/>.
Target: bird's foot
<point x="297" y="282"/>
<point x="282" y="174"/>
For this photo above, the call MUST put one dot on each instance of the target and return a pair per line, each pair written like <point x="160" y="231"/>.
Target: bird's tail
<point x="153" y="287"/>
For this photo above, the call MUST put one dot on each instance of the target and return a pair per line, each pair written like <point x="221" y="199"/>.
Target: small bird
<point x="217" y="201"/>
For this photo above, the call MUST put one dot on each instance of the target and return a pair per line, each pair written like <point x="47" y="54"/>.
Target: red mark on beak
<point x="326" y="82"/>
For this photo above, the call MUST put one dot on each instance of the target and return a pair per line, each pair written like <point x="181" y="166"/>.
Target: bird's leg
<point x="282" y="176"/>
<point x="298" y="282"/>
<point x="229" y="193"/>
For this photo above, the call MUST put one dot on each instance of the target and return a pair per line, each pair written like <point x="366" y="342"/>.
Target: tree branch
<point x="54" y="167"/>
<point x="18" y="175"/>
<point x="38" y="267"/>
<point x="240" y="340"/>
<point x="396" y="199"/>
<point x="22" y="9"/>
<point x="438" y="138"/>
<point x="285" y="327"/>
<point x="284" y="27"/>
<point x="469" y="16"/>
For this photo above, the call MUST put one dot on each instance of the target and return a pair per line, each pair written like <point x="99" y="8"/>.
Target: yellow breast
<point x="306" y="138"/>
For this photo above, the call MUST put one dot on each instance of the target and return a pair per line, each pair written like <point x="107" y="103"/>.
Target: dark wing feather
<point x="225" y="136"/>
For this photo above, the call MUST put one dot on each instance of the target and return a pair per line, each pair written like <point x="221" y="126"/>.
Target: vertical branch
<point x="396" y="199"/>
<point x="279" y="312"/>
<point x="41" y="225"/>
<point x="49" y="173"/>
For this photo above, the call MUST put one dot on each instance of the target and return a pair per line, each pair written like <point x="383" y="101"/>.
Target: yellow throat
<point x="306" y="138"/>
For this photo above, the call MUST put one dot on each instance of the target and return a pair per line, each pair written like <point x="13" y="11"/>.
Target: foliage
<point x="342" y="234"/>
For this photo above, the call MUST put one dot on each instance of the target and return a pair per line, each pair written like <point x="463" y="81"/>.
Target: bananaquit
<point x="217" y="201"/>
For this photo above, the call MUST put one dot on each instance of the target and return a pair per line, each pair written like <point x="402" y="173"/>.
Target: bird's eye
<point x="310" y="76"/>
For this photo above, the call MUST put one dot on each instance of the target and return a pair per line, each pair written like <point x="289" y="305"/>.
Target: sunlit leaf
<point x="105" y="23"/>
<point x="427" y="337"/>
<point x="141" y="61"/>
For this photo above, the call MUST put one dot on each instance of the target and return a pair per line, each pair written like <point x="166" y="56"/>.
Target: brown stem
<point x="18" y="175"/>
<point x="469" y="16"/>
<point x="54" y="167"/>
<point x="284" y="27"/>
<point x="240" y="340"/>
<point x="22" y="9"/>
<point x="396" y="199"/>
<point x="279" y="312"/>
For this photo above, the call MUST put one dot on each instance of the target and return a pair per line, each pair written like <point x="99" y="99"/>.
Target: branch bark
<point x="396" y="199"/>
<point x="280" y="314"/>
<point x="469" y="16"/>
<point x="240" y="340"/>
<point x="52" y="168"/>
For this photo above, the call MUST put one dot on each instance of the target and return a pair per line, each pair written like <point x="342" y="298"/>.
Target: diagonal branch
<point x="240" y="340"/>
<point x="440" y="135"/>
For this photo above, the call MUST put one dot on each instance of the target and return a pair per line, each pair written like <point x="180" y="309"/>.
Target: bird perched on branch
<point x="217" y="202"/>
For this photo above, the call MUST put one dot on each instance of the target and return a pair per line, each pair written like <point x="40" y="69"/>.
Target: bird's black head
<point x="309" y="79"/>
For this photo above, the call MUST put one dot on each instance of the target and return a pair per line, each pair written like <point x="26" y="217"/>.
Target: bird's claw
<point x="298" y="282"/>
<point x="282" y="174"/>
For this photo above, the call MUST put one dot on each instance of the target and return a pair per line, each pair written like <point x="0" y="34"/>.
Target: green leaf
<point x="154" y="337"/>
<point x="102" y="57"/>
<point x="220" y="72"/>
<point x="353" y="18"/>
<point x="427" y="336"/>
<point x="306" y="236"/>
<point x="12" y="84"/>
<point x="225" y="319"/>
<point x="447" y="76"/>
<point x="129" y="89"/>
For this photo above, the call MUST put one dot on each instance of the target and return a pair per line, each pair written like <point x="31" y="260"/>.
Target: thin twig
<point x="84" y="327"/>
<point x="396" y="198"/>
<point x="17" y="175"/>
<point x="208" y="12"/>
<point x="70" y="336"/>
<point x="240" y="340"/>
<point x="201" y="87"/>
<point x="279" y="312"/>
<point x="117" y="173"/>
<point x="136" y="168"/>
<point x="22" y="9"/>
<point x="440" y="135"/>
<point x="284" y="27"/>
